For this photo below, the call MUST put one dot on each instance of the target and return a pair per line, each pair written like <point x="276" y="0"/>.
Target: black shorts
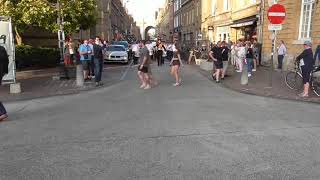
<point x="218" y="64"/>
<point x="175" y="63"/>
<point x="2" y="109"/>
<point x="85" y="65"/>
<point x="306" y="71"/>
<point x="144" y="69"/>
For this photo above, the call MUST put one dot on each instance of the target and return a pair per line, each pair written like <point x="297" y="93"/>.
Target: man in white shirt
<point x="282" y="51"/>
<point x="135" y="50"/>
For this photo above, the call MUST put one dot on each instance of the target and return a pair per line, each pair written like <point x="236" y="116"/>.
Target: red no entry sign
<point x="276" y="14"/>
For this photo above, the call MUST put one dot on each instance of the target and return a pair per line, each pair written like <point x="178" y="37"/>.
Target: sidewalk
<point x="41" y="85"/>
<point x="259" y="85"/>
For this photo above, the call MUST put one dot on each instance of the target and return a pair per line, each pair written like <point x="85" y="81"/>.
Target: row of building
<point x="198" y="22"/>
<point x="113" y="23"/>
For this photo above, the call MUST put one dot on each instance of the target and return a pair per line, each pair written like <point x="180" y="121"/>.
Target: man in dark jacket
<point x="306" y="61"/>
<point x="4" y="62"/>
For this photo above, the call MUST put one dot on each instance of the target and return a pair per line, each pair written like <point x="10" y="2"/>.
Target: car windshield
<point x="115" y="48"/>
<point x="124" y="43"/>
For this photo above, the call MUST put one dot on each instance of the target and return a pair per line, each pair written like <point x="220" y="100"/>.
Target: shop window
<point x="307" y="9"/>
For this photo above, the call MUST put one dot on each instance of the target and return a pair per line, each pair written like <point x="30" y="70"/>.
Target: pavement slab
<point x="197" y="131"/>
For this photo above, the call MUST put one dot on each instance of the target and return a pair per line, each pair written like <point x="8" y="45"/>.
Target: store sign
<point x="275" y="27"/>
<point x="249" y="23"/>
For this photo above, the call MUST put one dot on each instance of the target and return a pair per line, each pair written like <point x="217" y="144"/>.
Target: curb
<point x="248" y="92"/>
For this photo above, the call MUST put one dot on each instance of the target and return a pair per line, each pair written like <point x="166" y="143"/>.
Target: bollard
<point x="244" y="74"/>
<point x="15" y="88"/>
<point x="80" y="79"/>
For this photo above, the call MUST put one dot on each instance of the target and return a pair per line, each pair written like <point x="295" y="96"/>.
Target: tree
<point x="77" y="14"/>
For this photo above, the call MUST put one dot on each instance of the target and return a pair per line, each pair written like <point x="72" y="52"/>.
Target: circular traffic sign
<point x="276" y="14"/>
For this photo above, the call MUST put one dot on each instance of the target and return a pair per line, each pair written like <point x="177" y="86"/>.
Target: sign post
<point x="276" y="16"/>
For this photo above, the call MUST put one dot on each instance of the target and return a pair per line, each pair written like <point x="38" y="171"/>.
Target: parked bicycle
<point x="294" y="79"/>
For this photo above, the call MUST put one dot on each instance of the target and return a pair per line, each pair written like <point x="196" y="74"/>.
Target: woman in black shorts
<point x="175" y="64"/>
<point x="306" y="61"/>
<point x="215" y="55"/>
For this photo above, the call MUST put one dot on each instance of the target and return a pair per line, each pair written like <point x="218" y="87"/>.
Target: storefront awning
<point x="247" y="22"/>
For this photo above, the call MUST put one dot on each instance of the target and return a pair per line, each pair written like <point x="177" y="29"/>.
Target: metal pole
<point x="274" y="39"/>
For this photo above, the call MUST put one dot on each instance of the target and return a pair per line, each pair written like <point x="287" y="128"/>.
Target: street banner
<point x="6" y="40"/>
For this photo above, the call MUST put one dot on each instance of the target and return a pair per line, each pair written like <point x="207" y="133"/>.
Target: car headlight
<point x="125" y="57"/>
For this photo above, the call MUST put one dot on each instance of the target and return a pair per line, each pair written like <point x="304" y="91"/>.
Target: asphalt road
<point x="198" y="131"/>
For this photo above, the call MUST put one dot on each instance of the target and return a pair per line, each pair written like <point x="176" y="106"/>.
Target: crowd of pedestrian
<point x="239" y="54"/>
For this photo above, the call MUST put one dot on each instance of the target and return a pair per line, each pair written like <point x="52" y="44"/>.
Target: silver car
<point x="116" y="53"/>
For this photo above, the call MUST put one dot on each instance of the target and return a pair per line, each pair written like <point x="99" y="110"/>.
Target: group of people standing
<point x="240" y="54"/>
<point x="144" y="69"/>
<point x="91" y="57"/>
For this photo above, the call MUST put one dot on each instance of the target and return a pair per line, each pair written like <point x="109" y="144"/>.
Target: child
<point x="3" y="112"/>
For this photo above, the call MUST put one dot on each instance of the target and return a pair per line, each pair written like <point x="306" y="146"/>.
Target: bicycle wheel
<point x="316" y="86"/>
<point x="294" y="81"/>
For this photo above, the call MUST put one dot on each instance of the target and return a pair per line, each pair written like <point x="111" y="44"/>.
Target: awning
<point x="243" y="23"/>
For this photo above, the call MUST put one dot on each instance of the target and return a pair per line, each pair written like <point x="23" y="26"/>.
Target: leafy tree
<point x="77" y="14"/>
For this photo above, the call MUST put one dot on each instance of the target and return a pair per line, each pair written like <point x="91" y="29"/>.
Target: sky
<point x="144" y="9"/>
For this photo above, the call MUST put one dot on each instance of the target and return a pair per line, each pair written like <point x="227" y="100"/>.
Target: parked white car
<point x="116" y="53"/>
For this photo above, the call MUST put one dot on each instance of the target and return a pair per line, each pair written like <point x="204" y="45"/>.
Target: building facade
<point x="164" y="21"/>
<point x="302" y="23"/>
<point x="231" y="20"/>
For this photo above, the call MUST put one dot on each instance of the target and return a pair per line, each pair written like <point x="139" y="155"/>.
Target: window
<point x="225" y="5"/>
<point x="214" y="7"/>
<point x="307" y="9"/>
<point x="242" y="3"/>
<point x="254" y="1"/>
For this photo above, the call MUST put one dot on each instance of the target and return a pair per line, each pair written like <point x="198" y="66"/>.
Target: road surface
<point x="198" y="131"/>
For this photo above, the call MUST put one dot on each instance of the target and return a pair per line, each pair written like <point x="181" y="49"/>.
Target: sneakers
<point x="176" y="84"/>
<point x="239" y="71"/>
<point x="147" y="87"/>
<point x="249" y="74"/>
<point x="254" y="70"/>
<point x="142" y="86"/>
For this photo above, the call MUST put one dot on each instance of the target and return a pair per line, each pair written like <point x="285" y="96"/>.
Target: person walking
<point x="282" y="50"/>
<point x="215" y="55"/>
<point x="225" y="58"/>
<point x="144" y="66"/>
<point x="317" y="55"/>
<point x="98" y="60"/>
<point x="249" y="58"/>
<point x="160" y="50"/>
<point x="175" y="64"/>
<point x="4" y="62"/>
<point x="306" y="62"/>
<point x="85" y="58"/>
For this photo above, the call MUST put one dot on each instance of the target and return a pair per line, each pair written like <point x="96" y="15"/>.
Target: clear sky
<point x="144" y="9"/>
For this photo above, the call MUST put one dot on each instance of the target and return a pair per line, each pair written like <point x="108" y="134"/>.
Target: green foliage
<point x="43" y="13"/>
<point x="30" y="57"/>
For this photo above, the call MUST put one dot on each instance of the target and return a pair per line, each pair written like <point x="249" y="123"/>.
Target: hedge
<point x="31" y="57"/>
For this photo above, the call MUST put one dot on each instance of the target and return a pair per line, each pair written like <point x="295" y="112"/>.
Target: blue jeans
<point x="98" y="65"/>
<point x="249" y="63"/>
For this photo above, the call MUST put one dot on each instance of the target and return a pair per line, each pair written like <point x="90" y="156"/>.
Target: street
<point x="198" y="131"/>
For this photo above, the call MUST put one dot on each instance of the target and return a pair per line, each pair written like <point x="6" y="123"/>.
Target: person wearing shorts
<point x="175" y="64"/>
<point x="225" y="58"/>
<point x="143" y="67"/>
<point x="306" y="61"/>
<point x="215" y="55"/>
<point x="85" y="58"/>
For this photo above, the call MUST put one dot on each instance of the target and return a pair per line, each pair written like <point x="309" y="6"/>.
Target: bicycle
<point x="294" y="79"/>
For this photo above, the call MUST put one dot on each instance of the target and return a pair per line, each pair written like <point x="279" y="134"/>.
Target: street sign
<point x="275" y="27"/>
<point x="276" y="14"/>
